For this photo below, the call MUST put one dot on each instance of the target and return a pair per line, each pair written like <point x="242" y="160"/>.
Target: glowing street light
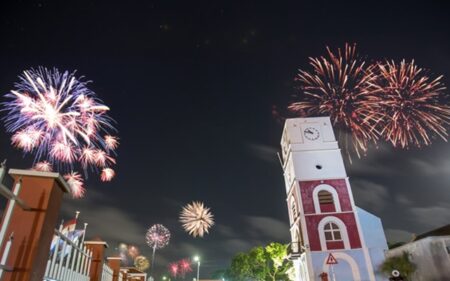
<point x="197" y="259"/>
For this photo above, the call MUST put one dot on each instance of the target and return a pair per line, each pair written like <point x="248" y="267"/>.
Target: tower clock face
<point x="311" y="133"/>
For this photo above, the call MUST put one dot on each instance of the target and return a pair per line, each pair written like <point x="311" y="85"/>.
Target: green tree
<point x="267" y="263"/>
<point x="401" y="263"/>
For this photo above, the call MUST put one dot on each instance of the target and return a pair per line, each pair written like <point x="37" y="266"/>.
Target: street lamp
<point x="197" y="259"/>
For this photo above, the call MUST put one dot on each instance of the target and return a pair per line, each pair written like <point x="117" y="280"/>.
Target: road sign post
<point x="331" y="260"/>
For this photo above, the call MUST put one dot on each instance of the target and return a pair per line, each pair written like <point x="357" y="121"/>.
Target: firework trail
<point x="412" y="104"/>
<point x="339" y="86"/>
<point x="157" y="237"/>
<point x="57" y="118"/>
<point x="196" y="219"/>
<point x="141" y="263"/>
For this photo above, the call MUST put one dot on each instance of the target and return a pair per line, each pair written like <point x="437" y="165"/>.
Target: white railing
<point x="68" y="261"/>
<point x="120" y="278"/>
<point x="107" y="273"/>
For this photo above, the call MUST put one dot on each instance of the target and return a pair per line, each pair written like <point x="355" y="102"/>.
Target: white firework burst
<point x="196" y="219"/>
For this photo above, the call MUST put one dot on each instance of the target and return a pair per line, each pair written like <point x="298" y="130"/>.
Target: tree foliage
<point x="401" y="263"/>
<point x="267" y="263"/>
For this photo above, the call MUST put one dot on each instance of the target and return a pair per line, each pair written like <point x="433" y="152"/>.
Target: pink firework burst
<point x="174" y="269"/>
<point x="184" y="266"/>
<point x="43" y="166"/>
<point x="27" y="139"/>
<point x="107" y="174"/>
<point x="111" y="142"/>
<point x="133" y="251"/>
<point x="75" y="182"/>
<point x="57" y="118"/>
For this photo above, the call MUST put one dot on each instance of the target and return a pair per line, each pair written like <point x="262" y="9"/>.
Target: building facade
<point x="430" y="253"/>
<point x="322" y="212"/>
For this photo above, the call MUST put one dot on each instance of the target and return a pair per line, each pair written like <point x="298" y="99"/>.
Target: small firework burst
<point x="111" y="142"/>
<point x="173" y="269"/>
<point x="141" y="263"/>
<point x="157" y="237"/>
<point x="412" y="103"/>
<point x="27" y="139"/>
<point x="43" y="166"/>
<point x="340" y="86"/>
<point x="75" y="182"/>
<point x="123" y="249"/>
<point x="196" y="219"/>
<point x="133" y="251"/>
<point x="57" y="118"/>
<point x="184" y="266"/>
<point x="107" y="174"/>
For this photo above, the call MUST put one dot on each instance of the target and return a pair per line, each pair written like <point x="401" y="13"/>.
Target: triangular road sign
<point x="331" y="259"/>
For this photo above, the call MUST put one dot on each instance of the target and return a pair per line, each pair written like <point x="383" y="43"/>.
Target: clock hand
<point x="308" y="131"/>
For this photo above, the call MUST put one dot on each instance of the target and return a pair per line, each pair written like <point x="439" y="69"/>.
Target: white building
<point x="323" y="216"/>
<point x="430" y="252"/>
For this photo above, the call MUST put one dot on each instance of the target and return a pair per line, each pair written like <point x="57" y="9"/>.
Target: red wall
<point x="312" y="223"/>
<point x="307" y="188"/>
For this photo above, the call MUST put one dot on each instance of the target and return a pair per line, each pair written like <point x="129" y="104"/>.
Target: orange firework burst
<point x="340" y="86"/>
<point x="412" y="104"/>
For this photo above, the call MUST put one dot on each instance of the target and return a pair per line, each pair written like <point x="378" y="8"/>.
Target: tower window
<point x="332" y="232"/>
<point x="326" y="202"/>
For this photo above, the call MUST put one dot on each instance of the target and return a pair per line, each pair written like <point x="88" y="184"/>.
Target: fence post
<point x="114" y="264"/>
<point x="33" y="228"/>
<point x="98" y="255"/>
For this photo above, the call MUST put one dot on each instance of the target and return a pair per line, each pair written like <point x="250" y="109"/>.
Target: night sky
<point x="192" y="84"/>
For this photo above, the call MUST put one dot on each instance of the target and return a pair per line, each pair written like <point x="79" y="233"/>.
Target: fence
<point x="107" y="273"/>
<point x="68" y="260"/>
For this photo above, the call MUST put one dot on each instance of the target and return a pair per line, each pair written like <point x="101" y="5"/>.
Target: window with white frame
<point x="332" y="232"/>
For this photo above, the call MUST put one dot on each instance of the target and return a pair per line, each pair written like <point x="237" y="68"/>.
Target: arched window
<point x="326" y="199"/>
<point x="332" y="232"/>
<point x="326" y="202"/>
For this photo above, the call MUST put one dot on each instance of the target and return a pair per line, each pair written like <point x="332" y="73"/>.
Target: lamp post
<point x="197" y="259"/>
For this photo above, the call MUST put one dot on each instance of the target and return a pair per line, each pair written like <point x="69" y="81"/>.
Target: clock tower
<point x="323" y="217"/>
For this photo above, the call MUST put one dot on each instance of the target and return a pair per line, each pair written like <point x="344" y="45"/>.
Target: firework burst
<point x="107" y="174"/>
<point x="75" y="182"/>
<point x="58" y="119"/>
<point x="141" y="263"/>
<point x="133" y="251"/>
<point x="158" y="236"/>
<point x="174" y="269"/>
<point x="196" y="219"/>
<point x="184" y="266"/>
<point x="412" y="104"/>
<point x="43" y="166"/>
<point x="339" y="85"/>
